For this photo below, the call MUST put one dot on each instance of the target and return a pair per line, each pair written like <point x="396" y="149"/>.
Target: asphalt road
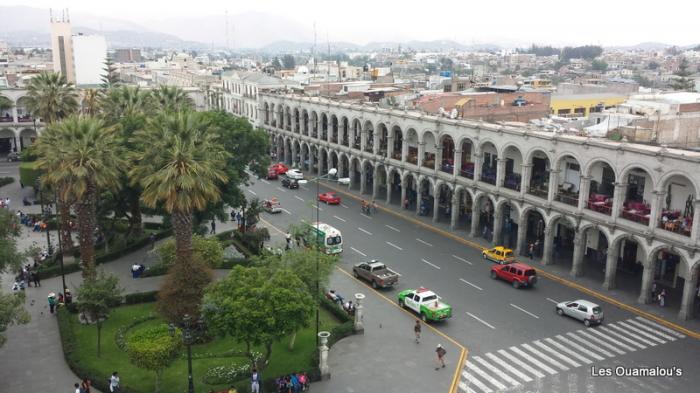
<point x="515" y="339"/>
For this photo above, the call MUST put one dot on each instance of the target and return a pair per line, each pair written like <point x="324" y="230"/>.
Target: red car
<point x="271" y="174"/>
<point x="518" y="274"/>
<point x="330" y="198"/>
<point x="280" y="168"/>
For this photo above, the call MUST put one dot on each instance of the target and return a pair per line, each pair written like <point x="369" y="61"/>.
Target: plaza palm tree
<point x="82" y="156"/>
<point x="171" y="99"/>
<point x="90" y="102"/>
<point x="179" y="164"/>
<point x="50" y="97"/>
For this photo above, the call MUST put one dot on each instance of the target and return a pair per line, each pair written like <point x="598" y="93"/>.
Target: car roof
<point x="584" y="303"/>
<point x="501" y="248"/>
<point x="519" y="265"/>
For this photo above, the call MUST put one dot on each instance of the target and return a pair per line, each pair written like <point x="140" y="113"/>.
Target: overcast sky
<point x="605" y="22"/>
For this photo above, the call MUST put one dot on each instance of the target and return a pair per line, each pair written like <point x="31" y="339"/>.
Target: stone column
<point x="497" y="225"/>
<point x="375" y="141"/>
<point x="438" y="159"/>
<point x="696" y="222"/>
<point x="525" y="180"/>
<point x="403" y="192"/>
<point x="404" y="150"/>
<point x="294" y="156"/>
<point x="421" y="153"/>
<point x="457" y="161"/>
<point x="436" y="203"/>
<point x="478" y="160"/>
<point x="323" y="355"/>
<point x="455" y="211"/>
<point x="611" y="267"/>
<point x="688" y="298"/>
<point x="522" y="236"/>
<point x="618" y="198"/>
<point x="389" y="178"/>
<point x="287" y="154"/>
<point x="359" y="323"/>
<point x="548" y="245"/>
<point x="657" y="204"/>
<point x="322" y="157"/>
<point x="15" y="115"/>
<point x="579" y="247"/>
<point x="375" y="183"/>
<point x="389" y="145"/>
<point x="363" y="140"/>
<point x="584" y="189"/>
<point x="553" y="184"/>
<point x="419" y="196"/>
<point x="363" y="179"/>
<point x="500" y="172"/>
<point x="476" y="216"/>
<point x="647" y="280"/>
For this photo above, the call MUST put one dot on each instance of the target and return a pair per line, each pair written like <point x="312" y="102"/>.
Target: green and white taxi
<point x="425" y="303"/>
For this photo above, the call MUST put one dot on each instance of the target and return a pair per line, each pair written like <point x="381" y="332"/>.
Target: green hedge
<point x="140" y="297"/>
<point x="6" y="180"/>
<point x="48" y="271"/>
<point x="28" y="173"/>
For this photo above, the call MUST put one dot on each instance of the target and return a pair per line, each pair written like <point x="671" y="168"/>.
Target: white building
<point x="62" y="47"/>
<point x="90" y="54"/>
<point x="241" y="91"/>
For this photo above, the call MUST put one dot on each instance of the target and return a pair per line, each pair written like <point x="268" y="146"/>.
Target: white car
<point x="295" y="174"/>
<point x="583" y="310"/>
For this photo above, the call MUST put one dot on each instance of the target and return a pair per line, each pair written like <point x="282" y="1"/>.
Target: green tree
<point x="599" y="65"/>
<point x="90" y="102"/>
<point x="171" y="99"/>
<point x="153" y="349"/>
<point x="652" y="65"/>
<point x="83" y="156"/>
<point x="110" y="78"/>
<point x="207" y="248"/>
<point x="96" y="298"/>
<point x="288" y="62"/>
<point x="5" y="104"/>
<point x="257" y="309"/>
<point x="183" y="289"/>
<point x="11" y="304"/>
<point x="50" y="97"/>
<point x="681" y="81"/>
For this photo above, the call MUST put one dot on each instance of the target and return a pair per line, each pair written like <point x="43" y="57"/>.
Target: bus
<point x="328" y="239"/>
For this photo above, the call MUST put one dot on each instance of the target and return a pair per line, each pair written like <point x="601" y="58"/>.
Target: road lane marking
<point x="639" y="338"/>
<point x="281" y="189"/>
<point x="252" y="192"/>
<point x="572" y="344"/>
<point x="643" y="333"/>
<point x="358" y="251"/>
<point x="601" y="335"/>
<point x="365" y="216"/>
<point x="520" y="363"/>
<point x="472" y="380"/>
<point x="496" y="371"/>
<point x="365" y="231"/>
<point x="315" y="206"/>
<point x="658" y="326"/>
<point x="264" y="181"/>
<point x="563" y="348"/>
<point x="343" y="205"/>
<point x="508" y="367"/>
<point x="461" y="259"/>
<point x="304" y="188"/>
<point x="647" y="328"/>
<point x="621" y="337"/>
<point x="532" y="359"/>
<point x="424" y="242"/>
<point x="338" y="218"/>
<point x="468" y="283"/>
<point x="299" y="198"/>
<point x="590" y="344"/>
<point x="553" y="301"/>
<point x="601" y="342"/>
<point x="392" y="228"/>
<point x="545" y="357"/>
<point x="566" y="359"/>
<point x="481" y="320"/>
<point x="394" y="245"/>
<point x="482" y="374"/>
<point x="431" y="264"/>
<point x="286" y="211"/>
<point x="525" y="311"/>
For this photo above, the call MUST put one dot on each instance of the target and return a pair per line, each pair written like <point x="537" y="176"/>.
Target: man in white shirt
<point x="114" y="383"/>
<point x="77" y="388"/>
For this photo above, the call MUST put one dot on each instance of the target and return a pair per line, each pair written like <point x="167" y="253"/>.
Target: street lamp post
<point x="187" y="339"/>
<point x="60" y="244"/>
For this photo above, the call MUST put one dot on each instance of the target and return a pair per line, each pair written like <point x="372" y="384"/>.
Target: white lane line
<point x="304" y="188"/>
<point x="431" y="264"/>
<point x="566" y="359"/>
<point x="394" y="245"/>
<point x="281" y="189"/>
<point x="661" y="327"/>
<point x="604" y="337"/>
<point x="532" y="359"/>
<point x="315" y="206"/>
<point x="508" y="367"/>
<point x="567" y="350"/>
<point x="392" y="228"/>
<point x="648" y="329"/>
<point x="365" y="216"/>
<point x="481" y="320"/>
<point x="621" y="337"/>
<point x="286" y="211"/>
<point x="520" y="363"/>
<point x="472" y="380"/>
<point x="643" y="333"/>
<point x="358" y="251"/>
<point x="424" y="242"/>
<point x="345" y="206"/>
<point x="496" y="371"/>
<point x="525" y="311"/>
<point x="461" y="259"/>
<point x="468" y="283"/>
<point x="265" y="181"/>
<point x="365" y="231"/>
<point x="601" y="342"/>
<point x="252" y="192"/>
<point x="570" y="343"/>
<point x="639" y="338"/>
<point x="473" y="367"/>
<point x="553" y="301"/>
<point x="299" y="198"/>
<point x="338" y="218"/>
<point x="590" y="345"/>
<point x="545" y="357"/>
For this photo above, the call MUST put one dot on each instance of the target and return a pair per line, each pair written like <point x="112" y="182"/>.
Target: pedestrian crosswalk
<point x="509" y="368"/>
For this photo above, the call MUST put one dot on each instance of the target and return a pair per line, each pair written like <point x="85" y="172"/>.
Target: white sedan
<point x="295" y="174"/>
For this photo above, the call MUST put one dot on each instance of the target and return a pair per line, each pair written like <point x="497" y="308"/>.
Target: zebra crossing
<point x="510" y="368"/>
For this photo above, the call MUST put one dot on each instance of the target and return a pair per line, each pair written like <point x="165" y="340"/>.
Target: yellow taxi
<point x="499" y="254"/>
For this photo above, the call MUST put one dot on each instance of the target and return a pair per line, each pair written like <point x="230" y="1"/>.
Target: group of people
<point x="368" y="207"/>
<point x="32" y="221"/>
<point x="59" y="301"/>
<point x="659" y="296"/>
<point x="292" y="383"/>
<point x="26" y="277"/>
<point x="348" y="306"/>
<point x="84" y="386"/>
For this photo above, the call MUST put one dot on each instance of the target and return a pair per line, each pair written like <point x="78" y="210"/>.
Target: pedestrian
<point x="374" y="207"/>
<point x="416" y="330"/>
<point x="536" y="249"/>
<point x="85" y="385"/>
<point x="35" y="278"/>
<point x="530" y="250"/>
<point x="52" y="302"/>
<point x="255" y="381"/>
<point x="114" y="383"/>
<point x="69" y="297"/>
<point x="152" y="240"/>
<point x="662" y="298"/>
<point x="213" y="227"/>
<point x="288" y="238"/>
<point x="77" y="388"/>
<point x="440" y="351"/>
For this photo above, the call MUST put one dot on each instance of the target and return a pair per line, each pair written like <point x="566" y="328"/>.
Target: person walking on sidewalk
<point x="114" y="383"/>
<point x="255" y="382"/>
<point x="531" y="250"/>
<point x="52" y="302"/>
<point x="662" y="298"/>
<point x="440" y="351"/>
<point x="152" y="240"/>
<point x="416" y="330"/>
<point x="35" y="278"/>
<point x="213" y="227"/>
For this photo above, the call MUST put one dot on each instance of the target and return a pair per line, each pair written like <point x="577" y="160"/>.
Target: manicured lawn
<point x="134" y="379"/>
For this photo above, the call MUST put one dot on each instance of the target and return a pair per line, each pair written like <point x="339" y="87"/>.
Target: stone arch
<point x="369" y="136"/>
<point x="446" y="153"/>
<point x="345" y="131"/>
<point x="22" y="108"/>
<point x="426" y="195"/>
<point x="464" y="206"/>
<point x="444" y="192"/>
<point x="429" y="149"/>
<point x="640" y="186"/>
<point x="296" y="121"/>
<point x="603" y="178"/>
<point x="396" y="148"/>
<point x="532" y="230"/>
<point x="355" y="172"/>
<point x="568" y="178"/>
<point x="394" y="185"/>
<point x="539" y="166"/>
<point x="324" y="126"/>
<point x="333" y="160"/>
<point x="356" y="134"/>
<point x="334" y="128"/>
<point x="411" y="149"/>
<point x="467" y="157"/>
<point x="506" y="222"/>
<point x="305" y="122"/>
<point x="379" y="185"/>
<point x="482" y="224"/>
<point x="513" y="161"/>
<point x="488" y="151"/>
<point x="675" y="209"/>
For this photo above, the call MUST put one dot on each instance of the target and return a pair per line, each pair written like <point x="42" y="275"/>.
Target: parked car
<point x="518" y="274"/>
<point x="271" y="174"/>
<point x="376" y="273"/>
<point x="289" y="183"/>
<point x="425" y="303"/>
<point x="583" y="310"/>
<point x="330" y="198"/>
<point x="13" y="156"/>
<point x="280" y="168"/>
<point x="499" y="254"/>
<point x="295" y="174"/>
<point x="272" y="205"/>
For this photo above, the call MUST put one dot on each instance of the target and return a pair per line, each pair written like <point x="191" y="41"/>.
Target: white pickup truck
<point x="425" y="303"/>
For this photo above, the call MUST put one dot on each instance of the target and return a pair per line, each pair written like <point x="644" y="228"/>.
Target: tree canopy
<point x="153" y="349"/>
<point x="581" y="52"/>
<point x="97" y="297"/>
<point x="11" y="304"/>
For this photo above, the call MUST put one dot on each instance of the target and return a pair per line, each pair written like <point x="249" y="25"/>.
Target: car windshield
<point x="430" y="298"/>
<point x="597" y="310"/>
<point x="333" y="240"/>
<point x="529" y="272"/>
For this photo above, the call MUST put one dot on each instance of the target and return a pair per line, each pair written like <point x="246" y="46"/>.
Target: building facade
<point x="581" y="202"/>
<point x="18" y="128"/>
<point x="62" y="48"/>
<point x="241" y="90"/>
<point x="90" y="55"/>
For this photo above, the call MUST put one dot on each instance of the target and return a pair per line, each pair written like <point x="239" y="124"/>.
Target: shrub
<point x="182" y="290"/>
<point x="6" y="180"/>
<point x="48" y="271"/>
<point x="208" y="249"/>
<point x="28" y="173"/>
<point x="253" y="239"/>
<point x="140" y="297"/>
<point x="153" y="349"/>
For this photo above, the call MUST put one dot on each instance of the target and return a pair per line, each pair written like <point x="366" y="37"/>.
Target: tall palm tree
<point x="83" y="156"/>
<point x="90" y="102"/>
<point x="172" y="99"/>
<point x="179" y="164"/>
<point x="50" y="97"/>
